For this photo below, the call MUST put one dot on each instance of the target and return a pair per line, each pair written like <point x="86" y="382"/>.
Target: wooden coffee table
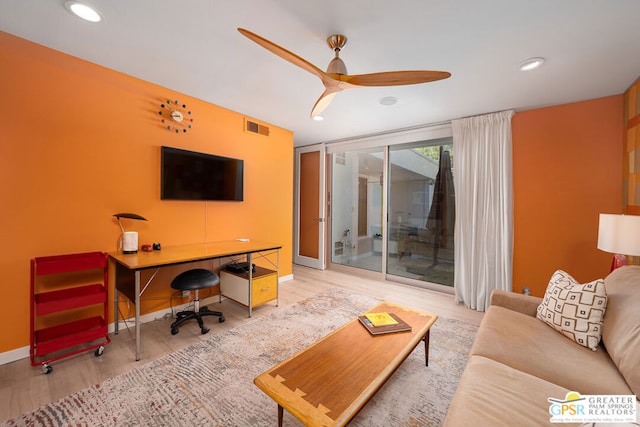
<point x="327" y="383"/>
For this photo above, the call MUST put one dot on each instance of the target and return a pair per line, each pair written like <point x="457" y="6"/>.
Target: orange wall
<point x="567" y="169"/>
<point x="81" y="142"/>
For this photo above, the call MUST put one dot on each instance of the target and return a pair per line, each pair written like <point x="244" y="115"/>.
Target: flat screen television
<point x="189" y="175"/>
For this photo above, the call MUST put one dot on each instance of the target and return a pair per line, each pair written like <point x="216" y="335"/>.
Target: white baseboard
<point x="23" y="352"/>
<point x="13" y="355"/>
<point x="285" y="278"/>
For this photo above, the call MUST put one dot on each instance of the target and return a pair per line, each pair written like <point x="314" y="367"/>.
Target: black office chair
<point x="194" y="280"/>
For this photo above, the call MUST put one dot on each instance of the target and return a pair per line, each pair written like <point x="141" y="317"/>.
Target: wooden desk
<point x="128" y="267"/>
<point x="327" y="383"/>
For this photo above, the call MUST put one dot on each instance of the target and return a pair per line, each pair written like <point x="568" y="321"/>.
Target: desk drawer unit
<point x="236" y="286"/>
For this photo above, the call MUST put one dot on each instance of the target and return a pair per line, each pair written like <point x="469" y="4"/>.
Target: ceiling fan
<point x="336" y="79"/>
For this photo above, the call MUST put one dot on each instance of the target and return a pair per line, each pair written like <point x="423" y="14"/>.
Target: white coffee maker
<point x="128" y="241"/>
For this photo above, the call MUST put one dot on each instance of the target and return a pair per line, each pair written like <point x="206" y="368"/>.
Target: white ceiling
<point x="192" y="46"/>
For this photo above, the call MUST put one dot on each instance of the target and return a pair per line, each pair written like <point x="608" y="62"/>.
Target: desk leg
<point x="137" y="290"/>
<point x="116" y="329"/>
<point x="277" y="277"/>
<point x="250" y="281"/>
<point x="280" y="415"/>
<point x="426" y="348"/>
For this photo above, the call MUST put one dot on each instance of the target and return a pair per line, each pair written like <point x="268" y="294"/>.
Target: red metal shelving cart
<point x="82" y="330"/>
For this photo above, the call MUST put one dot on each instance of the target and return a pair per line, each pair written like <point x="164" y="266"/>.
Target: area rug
<point x="211" y="383"/>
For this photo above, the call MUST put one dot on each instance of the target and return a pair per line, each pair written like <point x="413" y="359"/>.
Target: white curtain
<point x="484" y="207"/>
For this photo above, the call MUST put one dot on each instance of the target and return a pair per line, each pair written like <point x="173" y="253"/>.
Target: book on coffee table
<point x="381" y="319"/>
<point x="385" y="322"/>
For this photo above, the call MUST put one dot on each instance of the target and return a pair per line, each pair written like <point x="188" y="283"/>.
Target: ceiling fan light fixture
<point x="83" y="11"/>
<point x="531" y="63"/>
<point x="318" y="118"/>
<point x="336" y="66"/>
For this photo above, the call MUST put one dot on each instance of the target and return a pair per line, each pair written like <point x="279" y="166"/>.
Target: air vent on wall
<point x="254" y="127"/>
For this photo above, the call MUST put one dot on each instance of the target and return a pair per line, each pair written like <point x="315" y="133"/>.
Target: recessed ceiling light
<point x="389" y="100"/>
<point x="318" y="118"/>
<point x="531" y="63"/>
<point x="83" y="11"/>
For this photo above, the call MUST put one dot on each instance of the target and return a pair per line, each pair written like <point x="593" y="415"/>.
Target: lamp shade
<point x="619" y="234"/>
<point x="130" y="216"/>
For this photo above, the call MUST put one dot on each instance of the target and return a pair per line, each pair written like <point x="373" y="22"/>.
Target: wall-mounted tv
<point x="188" y="175"/>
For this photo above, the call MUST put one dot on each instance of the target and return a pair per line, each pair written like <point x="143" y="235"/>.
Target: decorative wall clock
<point x="176" y="116"/>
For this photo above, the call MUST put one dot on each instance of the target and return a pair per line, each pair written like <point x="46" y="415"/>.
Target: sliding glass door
<point x="422" y="212"/>
<point x="393" y="210"/>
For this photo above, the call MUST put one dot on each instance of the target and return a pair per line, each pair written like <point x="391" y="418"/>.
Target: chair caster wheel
<point x="99" y="351"/>
<point x="204" y="330"/>
<point x="46" y="369"/>
<point x="174" y="331"/>
<point x="221" y="319"/>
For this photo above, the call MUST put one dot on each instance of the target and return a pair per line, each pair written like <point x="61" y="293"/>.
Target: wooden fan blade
<point x="286" y="55"/>
<point x="395" y="78"/>
<point x="324" y="101"/>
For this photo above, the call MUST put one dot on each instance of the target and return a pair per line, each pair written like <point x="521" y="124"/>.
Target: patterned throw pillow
<point x="573" y="309"/>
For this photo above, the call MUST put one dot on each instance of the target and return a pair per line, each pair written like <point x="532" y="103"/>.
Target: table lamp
<point x="129" y="239"/>
<point x="620" y="235"/>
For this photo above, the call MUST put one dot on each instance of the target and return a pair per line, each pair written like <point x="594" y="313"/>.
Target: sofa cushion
<point x="573" y="309"/>
<point x="621" y="325"/>
<point x="527" y="344"/>
<point x="493" y="394"/>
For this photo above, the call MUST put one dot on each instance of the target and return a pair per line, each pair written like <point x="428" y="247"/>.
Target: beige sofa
<point x="517" y="361"/>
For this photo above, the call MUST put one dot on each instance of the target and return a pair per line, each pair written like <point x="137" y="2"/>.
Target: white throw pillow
<point x="573" y="309"/>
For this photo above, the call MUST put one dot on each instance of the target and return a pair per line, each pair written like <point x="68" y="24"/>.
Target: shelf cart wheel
<point x="174" y="331"/>
<point x="221" y="319"/>
<point x="46" y="368"/>
<point x="99" y="351"/>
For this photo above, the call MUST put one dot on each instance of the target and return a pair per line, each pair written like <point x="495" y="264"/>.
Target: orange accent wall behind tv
<point x="81" y="142"/>
<point x="567" y="169"/>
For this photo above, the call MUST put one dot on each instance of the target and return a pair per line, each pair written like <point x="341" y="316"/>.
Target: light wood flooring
<point x="24" y="388"/>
